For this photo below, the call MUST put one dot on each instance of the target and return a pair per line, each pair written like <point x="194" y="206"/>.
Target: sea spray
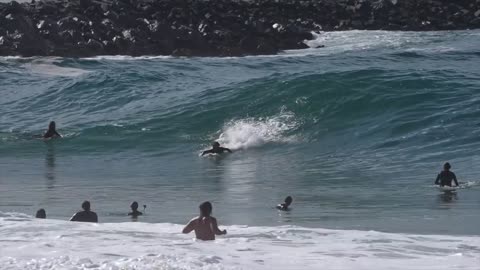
<point x="255" y="132"/>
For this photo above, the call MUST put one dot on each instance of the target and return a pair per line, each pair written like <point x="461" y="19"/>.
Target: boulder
<point x="209" y="28"/>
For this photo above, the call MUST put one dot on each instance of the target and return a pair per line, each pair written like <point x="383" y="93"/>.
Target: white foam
<point x="254" y="132"/>
<point x="27" y="243"/>
<point x="336" y="42"/>
<point x="49" y="67"/>
<point x="469" y="184"/>
<point x="127" y="57"/>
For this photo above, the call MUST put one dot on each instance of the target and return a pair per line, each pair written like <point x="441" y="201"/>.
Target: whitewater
<point x="355" y="132"/>
<point x="49" y="244"/>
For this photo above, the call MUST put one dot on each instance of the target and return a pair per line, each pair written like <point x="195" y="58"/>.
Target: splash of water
<point x="255" y="132"/>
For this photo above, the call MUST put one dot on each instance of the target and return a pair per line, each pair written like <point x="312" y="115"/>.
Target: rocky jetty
<point x="80" y="28"/>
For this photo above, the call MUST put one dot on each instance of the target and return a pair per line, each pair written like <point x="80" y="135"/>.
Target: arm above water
<point x="455" y="179"/>
<point x="190" y="226"/>
<point x="215" y="228"/>
<point x="207" y="152"/>
<point x="58" y="134"/>
<point x="437" y="181"/>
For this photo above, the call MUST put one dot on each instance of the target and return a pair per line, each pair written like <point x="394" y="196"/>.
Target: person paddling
<point x="216" y="149"/>
<point x="284" y="206"/>
<point x="445" y="177"/>
<point x="51" y="132"/>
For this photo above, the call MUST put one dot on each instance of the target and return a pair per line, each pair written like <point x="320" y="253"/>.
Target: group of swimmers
<point x="205" y="225"/>
<point x="87" y="215"/>
<point x="444" y="178"/>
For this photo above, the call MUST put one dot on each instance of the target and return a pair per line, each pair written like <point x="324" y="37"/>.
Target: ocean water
<point x="355" y="132"/>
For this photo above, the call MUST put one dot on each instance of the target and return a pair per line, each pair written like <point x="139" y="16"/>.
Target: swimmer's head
<point x="205" y="209"/>
<point x="288" y="200"/>
<point x="52" y="125"/>
<point x="41" y="213"/>
<point x="134" y="206"/>
<point x="215" y="144"/>
<point x="86" y="205"/>
<point x="446" y="166"/>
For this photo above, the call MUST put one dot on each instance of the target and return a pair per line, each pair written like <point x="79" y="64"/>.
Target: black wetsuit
<point x="445" y="178"/>
<point x="51" y="134"/>
<point x="218" y="150"/>
<point x="135" y="214"/>
<point x="85" y="216"/>
<point x="283" y="207"/>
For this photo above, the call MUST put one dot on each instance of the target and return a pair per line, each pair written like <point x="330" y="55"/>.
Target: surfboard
<point x="447" y="189"/>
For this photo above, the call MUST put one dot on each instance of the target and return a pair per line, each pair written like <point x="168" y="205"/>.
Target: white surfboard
<point x="448" y="189"/>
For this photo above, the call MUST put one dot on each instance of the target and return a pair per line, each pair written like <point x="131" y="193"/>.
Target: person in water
<point x="41" y="213"/>
<point x="205" y="226"/>
<point x="52" y="131"/>
<point x="86" y="215"/>
<point x="284" y="206"/>
<point x="216" y="149"/>
<point x="135" y="213"/>
<point x="445" y="177"/>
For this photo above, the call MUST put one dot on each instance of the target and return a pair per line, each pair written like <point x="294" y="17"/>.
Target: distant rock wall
<point x="79" y="28"/>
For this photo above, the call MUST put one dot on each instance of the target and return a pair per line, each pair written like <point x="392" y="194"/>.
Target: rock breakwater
<point x="80" y="28"/>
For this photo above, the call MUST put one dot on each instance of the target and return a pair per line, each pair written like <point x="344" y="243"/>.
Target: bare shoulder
<point x="195" y="219"/>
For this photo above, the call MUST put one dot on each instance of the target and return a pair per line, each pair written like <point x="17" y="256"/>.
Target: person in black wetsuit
<point x="284" y="206"/>
<point x="41" y="213"/>
<point x="86" y="215"/>
<point x="216" y="149"/>
<point x="445" y="177"/>
<point x="135" y="213"/>
<point x="51" y="132"/>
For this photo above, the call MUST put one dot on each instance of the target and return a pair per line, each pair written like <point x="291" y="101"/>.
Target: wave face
<point x="356" y="132"/>
<point x="390" y="88"/>
<point x="50" y="244"/>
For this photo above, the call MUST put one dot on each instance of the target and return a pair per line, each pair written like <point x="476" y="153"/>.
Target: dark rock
<point x="14" y="8"/>
<point x="182" y="52"/>
<point x="209" y="28"/>
<point x="95" y="46"/>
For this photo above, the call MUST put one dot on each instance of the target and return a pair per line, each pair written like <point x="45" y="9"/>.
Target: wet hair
<point x="52" y="125"/>
<point x="86" y="205"/>
<point x="447" y="166"/>
<point x="205" y="209"/>
<point x="41" y="213"/>
<point x="134" y="206"/>
<point x="215" y="144"/>
<point x="288" y="200"/>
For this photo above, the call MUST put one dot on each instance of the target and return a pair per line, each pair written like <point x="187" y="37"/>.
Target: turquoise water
<point x="356" y="132"/>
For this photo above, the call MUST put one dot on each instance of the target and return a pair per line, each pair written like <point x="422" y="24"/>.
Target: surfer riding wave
<point x="216" y="149"/>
